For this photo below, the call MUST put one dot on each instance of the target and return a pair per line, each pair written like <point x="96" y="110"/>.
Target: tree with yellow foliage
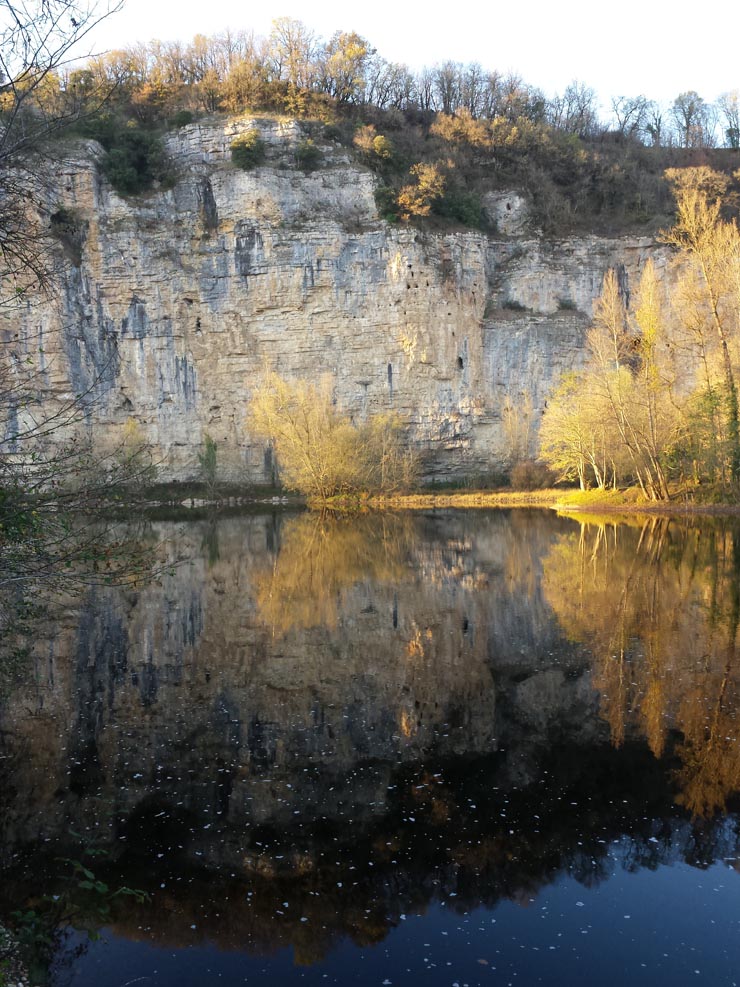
<point x="343" y="66"/>
<point x="320" y="452"/>
<point x="616" y="415"/>
<point x="417" y="199"/>
<point x="575" y="437"/>
<point x="709" y="251"/>
<point x="659" y="384"/>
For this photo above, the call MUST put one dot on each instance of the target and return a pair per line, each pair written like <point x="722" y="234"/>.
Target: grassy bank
<point x="628" y="501"/>
<point x="466" y="498"/>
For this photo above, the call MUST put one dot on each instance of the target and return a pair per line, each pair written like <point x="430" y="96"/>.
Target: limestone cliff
<point x="167" y="306"/>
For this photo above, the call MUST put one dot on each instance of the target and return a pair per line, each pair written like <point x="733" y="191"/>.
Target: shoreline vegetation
<point x="564" y="502"/>
<point x="191" y="497"/>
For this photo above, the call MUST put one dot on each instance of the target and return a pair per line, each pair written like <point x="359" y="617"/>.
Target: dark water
<point x="473" y="748"/>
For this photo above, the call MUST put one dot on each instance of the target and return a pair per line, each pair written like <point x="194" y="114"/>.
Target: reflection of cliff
<point x="449" y="833"/>
<point x="183" y="691"/>
<point x="409" y="727"/>
<point x="658" y="604"/>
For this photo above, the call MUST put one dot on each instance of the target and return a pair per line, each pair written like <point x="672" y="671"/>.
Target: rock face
<point x="168" y="306"/>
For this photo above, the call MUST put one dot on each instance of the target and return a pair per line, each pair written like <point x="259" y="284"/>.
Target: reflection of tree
<point x="659" y="607"/>
<point x="710" y="752"/>
<point x="320" y="559"/>
<point x="210" y="543"/>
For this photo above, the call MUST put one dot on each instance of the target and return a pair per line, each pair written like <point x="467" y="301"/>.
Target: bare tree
<point x="729" y="107"/>
<point x="692" y="118"/>
<point x="425" y="89"/>
<point x="447" y="86"/>
<point x="654" y="124"/>
<point x="473" y="89"/>
<point x="389" y="85"/>
<point x="631" y="113"/>
<point x="575" y="111"/>
<point x="36" y="39"/>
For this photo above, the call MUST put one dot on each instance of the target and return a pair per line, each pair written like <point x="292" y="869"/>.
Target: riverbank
<point x="564" y="501"/>
<point x="631" y="501"/>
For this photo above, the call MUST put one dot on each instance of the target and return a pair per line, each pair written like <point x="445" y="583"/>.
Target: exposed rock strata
<point x="169" y="305"/>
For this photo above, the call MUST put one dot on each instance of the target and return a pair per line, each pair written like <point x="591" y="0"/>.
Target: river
<point x="493" y="747"/>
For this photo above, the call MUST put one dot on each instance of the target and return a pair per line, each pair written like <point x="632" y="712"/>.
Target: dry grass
<point x="472" y="498"/>
<point x="565" y="501"/>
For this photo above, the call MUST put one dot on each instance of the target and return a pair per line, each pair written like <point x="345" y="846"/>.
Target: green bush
<point x="182" y="118"/>
<point x="307" y="155"/>
<point x="463" y="206"/>
<point x="208" y="462"/>
<point x="135" y="162"/>
<point x="102" y="127"/>
<point x="248" y="150"/>
<point x="385" y="200"/>
<point x="135" y="158"/>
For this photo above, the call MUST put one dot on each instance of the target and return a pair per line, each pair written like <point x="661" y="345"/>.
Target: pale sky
<point x="632" y="47"/>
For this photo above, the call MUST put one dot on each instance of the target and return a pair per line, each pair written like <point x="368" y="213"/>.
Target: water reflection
<point x="310" y="729"/>
<point x="322" y="559"/>
<point x="658" y="604"/>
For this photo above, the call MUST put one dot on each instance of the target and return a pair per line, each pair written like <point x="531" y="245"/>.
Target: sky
<point x="633" y="47"/>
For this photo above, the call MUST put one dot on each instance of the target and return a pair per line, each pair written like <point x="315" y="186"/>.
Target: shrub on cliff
<point x="135" y="161"/>
<point x="181" y="119"/>
<point x="320" y="452"/>
<point x="376" y="148"/>
<point x="463" y="206"/>
<point x="135" y="158"/>
<point x="307" y="155"/>
<point x="417" y="199"/>
<point x="385" y="200"/>
<point x="126" y="168"/>
<point x="248" y="150"/>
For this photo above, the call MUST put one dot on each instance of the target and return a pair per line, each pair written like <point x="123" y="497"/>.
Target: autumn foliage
<point x="656" y="402"/>
<point x="320" y="452"/>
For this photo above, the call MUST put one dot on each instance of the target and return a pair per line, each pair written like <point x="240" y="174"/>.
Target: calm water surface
<point x="461" y="748"/>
